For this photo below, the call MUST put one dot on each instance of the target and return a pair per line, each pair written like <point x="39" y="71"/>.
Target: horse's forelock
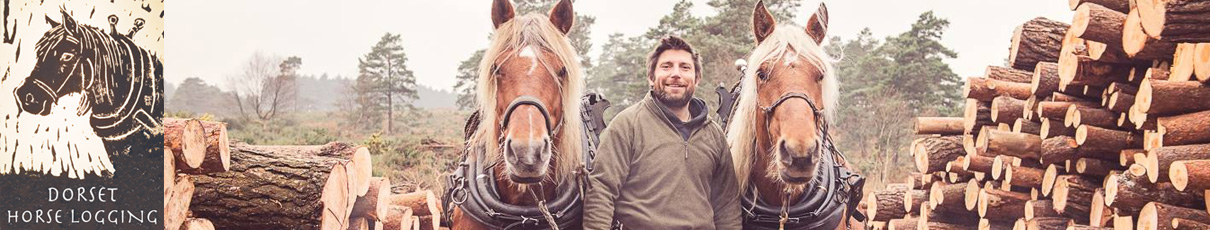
<point x="537" y="31"/>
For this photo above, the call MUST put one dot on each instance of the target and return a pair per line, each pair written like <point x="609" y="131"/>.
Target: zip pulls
<point x="686" y="148"/>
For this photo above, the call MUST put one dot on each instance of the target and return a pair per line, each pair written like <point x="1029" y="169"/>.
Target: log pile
<point x="211" y="183"/>
<point x="1111" y="130"/>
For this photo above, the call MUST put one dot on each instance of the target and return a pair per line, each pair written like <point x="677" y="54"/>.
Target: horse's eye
<point x="762" y="75"/>
<point x="563" y="72"/>
<point x="67" y="57"/>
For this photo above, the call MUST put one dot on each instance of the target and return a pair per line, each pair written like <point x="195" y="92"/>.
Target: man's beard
<point x="673" y="101"/>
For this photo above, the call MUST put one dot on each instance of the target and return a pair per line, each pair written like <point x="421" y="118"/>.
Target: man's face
<point x="675" y="78"/>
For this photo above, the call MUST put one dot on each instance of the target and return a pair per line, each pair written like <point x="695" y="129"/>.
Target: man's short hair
<point x="672" y="42"/>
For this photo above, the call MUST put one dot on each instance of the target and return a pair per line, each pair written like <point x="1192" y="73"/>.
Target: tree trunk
<point x="1098" y="23"/>
<point x="1045" y="80"/>
<point x="1007" y="109"/>
<point x="1025" y="126"/>
<point x="1186" y="224"/>
<point x="975" y="115"/>
<point x="422" y="203"/>
<point x="1163" y="98"/>
<point x="185" y="139"/>
<point x="1182" y="129"/>
<point x="1106" y="140"/>
<point x="397" y="217"/>
<point x="1000" y="205"/>
<point x="1072" y="197"/>
<point x="1024" y="176"/>
<point x="1054" y="128"/>
<point x="1158" y="216"/>
<point x="1201" y="62"/>
<point x="1039" y="208"/>
<point x="1038" y="40"/>
<point x="1159" y="159"/>
<point x="886" y="205"/>
<point x="1095" y="167"/>
<point x="1128" y="192"/>
<point x="373" y="205"/>
<point x="984" y="89"/>
<point x="1117" y="5"/>
<point x="1021" y="145"/>
<point x="177" y="201"/>
<point x="217" y="156"/>
<point x="912" y="199"/>
<point x="1190" y="175"/>
<point x="1139" y="45"/>
<point x="939" y="125"/>
<point x="1099" y="117"/>
<point x="1120" y="102"/>
<point x="1100" y="214"/>
<point x="902" y="224"/>
<point x="1176" y="20"/>
<point x="933" y="153"/>
<point x="948" y="198"/>
<point x="1008" y="74"/>
<point x="1045" y="223"/>
<point x="275" y="190"/>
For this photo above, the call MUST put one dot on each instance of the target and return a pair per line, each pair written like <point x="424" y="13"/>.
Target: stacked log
<point x="222" y="185"/>
<point x="1111" y="130"/>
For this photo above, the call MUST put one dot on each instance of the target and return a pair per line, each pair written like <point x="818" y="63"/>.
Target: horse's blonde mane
<point x="741" y="131"/>
<point x="537" y="31"/>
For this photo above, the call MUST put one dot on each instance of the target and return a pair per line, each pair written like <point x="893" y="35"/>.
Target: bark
<point x="939" y="125"/>
<point x="1038" y="40"/>
<point x="984" y="89"/>
<point x="1139" y="45"/>
<point x="933" y="153"/>
<point x="1007" y="109"/>
<point x="1045" y="80"/>
<point x="1008" y="74"/>
<point x="1164" y="98"/>
<point x="1176" y="20"/>
<point x="218" y="150"/>
<point x="274" y="190"/>
<point x="1182" y="129"/>
<point x="1190" y="175"/>
<point x="1159" y="159"/>
<point x="1159" y="216"/>
<point x="1000" y="205"/>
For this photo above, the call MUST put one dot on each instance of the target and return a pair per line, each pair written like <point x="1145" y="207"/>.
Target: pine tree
<point x="386" y="77"/>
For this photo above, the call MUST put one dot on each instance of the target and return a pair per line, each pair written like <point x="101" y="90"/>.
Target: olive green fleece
<point x="647" y="176"/>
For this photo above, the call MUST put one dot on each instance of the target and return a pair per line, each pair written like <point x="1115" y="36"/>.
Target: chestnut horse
<point x="784" y="159"/>
<point x="528" y="136"/>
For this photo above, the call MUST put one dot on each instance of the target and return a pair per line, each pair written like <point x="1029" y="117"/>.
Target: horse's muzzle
<point x="33" y="97"/>
<point x="528" y="159"/>
<point x="798" y="162"/>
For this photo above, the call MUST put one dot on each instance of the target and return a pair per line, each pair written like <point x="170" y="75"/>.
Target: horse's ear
<point x="52" y="22"/>
<point x="562" y="16"/>
<point x="68" y="22"/>
<point x="502" y="11"/>
<point x="817" y="26"/>
<point x="762" y="22"/>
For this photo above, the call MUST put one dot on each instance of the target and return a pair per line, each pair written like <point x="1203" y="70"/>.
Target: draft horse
<point x="791" y="175"/>
<point x="529" y="144"/>
<point x="121" y="82"/>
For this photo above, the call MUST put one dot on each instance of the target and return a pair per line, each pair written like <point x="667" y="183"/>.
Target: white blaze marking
<point x="528" y="52"/>
<point x="789" y="58"/>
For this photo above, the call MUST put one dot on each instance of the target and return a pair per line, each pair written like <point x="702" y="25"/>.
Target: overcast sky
<point x="212" y="39"/>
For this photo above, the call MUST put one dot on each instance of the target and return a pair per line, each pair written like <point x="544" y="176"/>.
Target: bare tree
<point x="267" y="86"/>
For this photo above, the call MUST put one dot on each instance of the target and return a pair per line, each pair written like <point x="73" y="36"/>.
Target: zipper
<point x="686" y="148"/>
